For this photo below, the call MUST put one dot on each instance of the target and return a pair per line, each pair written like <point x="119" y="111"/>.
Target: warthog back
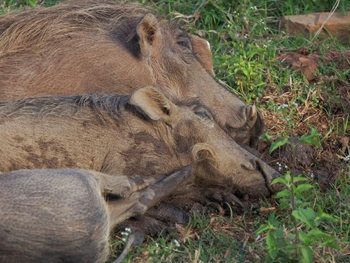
<point x="56" y="215"/>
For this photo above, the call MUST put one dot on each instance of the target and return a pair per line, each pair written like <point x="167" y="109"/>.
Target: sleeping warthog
<point x="100" y="46"/>
<point x="60" y="215"/>
<point x="144" y="134"/>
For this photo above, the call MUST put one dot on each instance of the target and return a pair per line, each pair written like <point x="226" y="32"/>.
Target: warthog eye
<point x="203" y="113"/>
<point x="184" y="42"/>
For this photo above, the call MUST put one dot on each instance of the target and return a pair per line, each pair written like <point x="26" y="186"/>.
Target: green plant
<point x="295" y="241"/>
<point x="18" y="3"/>
<point x="314" y="138"/>
<point x="279" y="142"/>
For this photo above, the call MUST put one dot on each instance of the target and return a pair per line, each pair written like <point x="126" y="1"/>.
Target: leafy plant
<point x="278" y="143"/>
<point x="314" y="138"/>
<point x="296" y="240"/>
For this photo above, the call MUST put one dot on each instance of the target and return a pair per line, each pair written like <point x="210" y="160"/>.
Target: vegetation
<point x="309" y="221"/>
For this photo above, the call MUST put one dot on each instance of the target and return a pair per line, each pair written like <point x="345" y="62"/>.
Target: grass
<point x="246" y="41"/>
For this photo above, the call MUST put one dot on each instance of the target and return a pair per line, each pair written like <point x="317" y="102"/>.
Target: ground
<point x="302" y="87"/>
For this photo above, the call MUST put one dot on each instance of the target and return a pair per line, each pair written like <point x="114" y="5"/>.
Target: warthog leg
<point x="223" y="196"/>
<point x="146" y="225"/>
<point x="139" y="202"/>
<point x="122" y="186"/>
<point x="169" y="213"/>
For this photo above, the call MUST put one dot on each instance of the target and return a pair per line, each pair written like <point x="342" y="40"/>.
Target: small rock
<point x="337" y="25"/>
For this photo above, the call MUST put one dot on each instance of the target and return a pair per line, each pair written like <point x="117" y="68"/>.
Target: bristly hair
<point x="42" y="25"/>
<point x="39" y="26"/>
<point x="68" y="106"/>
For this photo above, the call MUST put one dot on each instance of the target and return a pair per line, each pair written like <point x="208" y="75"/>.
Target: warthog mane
<point x="70" y="106"/>
<point x="41" y="26"/>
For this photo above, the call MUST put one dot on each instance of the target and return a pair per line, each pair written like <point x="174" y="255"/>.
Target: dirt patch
<point x="338" y="98"/>
<point x="324" y="104"/>
<point x="323" y="165"/>
<point x="336" y="95"/>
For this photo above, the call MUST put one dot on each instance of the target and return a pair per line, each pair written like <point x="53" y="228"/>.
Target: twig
<point x="335" y="6"/>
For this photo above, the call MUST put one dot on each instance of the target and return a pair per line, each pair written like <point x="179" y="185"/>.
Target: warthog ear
<point x="205" y="163"/>
<point x="153" y="103"/>
<point x="147" y="30"/>
<point x="202" y="51"/>
<point x="257" y="126"/>
<point x="203" y="152"/>
<point x="251" y="114"/>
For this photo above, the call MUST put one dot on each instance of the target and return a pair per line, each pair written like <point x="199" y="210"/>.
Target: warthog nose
<point x="250" y="165"/>
<point x="269" y="174"/>
<point x="276" y="175"/>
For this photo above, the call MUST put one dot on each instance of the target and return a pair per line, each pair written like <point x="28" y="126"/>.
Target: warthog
<point x="60" y="215"/>
<point x="142" y="134"/>
<point x="83" y="47"/>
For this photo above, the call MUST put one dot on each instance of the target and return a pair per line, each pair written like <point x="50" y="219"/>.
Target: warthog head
<point x="189" y="129"/>
<point x="181" y="64"/>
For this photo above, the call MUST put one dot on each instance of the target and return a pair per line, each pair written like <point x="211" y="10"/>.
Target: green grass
<point x="205" y="239"/>
<point x="246" y="39"/>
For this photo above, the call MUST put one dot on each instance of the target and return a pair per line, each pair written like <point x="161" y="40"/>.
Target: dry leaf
<point x="267" y="210"/>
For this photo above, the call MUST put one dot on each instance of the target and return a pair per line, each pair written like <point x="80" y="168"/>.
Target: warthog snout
<point x="266" y="171"/>
<point x="246" y="126"/>
<point x="228" y="164"/>
<point x="269" y="174"/>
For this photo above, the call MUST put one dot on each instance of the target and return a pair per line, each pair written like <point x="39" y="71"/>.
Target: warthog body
<point x="60" y="215"/>
<point x="145" y="134"/>
<point x="100" y="46"/>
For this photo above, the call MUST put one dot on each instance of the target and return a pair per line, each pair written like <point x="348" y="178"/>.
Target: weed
<point x="296" y="241"/>
<point x="314" y="138"/>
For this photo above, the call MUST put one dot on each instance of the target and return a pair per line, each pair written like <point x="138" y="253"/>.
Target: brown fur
<point x="121" y="136"/>
<point x="88" y="46"/>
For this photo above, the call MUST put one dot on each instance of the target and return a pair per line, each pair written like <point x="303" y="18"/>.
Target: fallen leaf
<point x="308" y="67"/>
<point x="344" y="141"/>
<point x="267" y="210"/>
<point x="306" y="64"/>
